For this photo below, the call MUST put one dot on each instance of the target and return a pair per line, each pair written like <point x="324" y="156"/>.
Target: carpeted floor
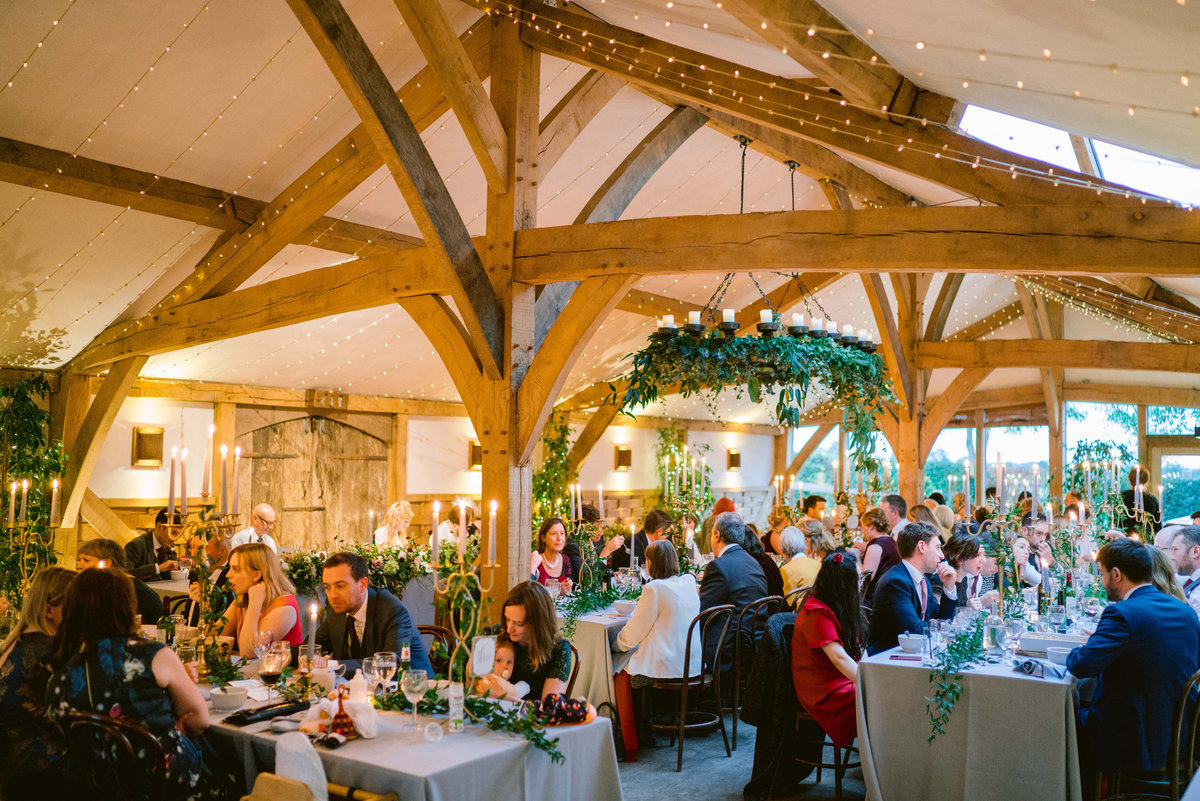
<point x="708" y="775"/>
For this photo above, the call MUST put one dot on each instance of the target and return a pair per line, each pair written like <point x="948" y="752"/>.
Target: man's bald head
<point x="263" y="519"/>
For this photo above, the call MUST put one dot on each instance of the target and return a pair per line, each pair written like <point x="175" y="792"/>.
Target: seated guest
<point x="1185" y="553"/>
<point x="655" y="527"/>
<point x="102" y="666"/>
<point x="547" y="564"/>
<point x="217" y="551"/>
<point x="543" y="658"/>
<point x="895" y="508"/>
<point x="152" y="555"/>
<point x="819" y="543"/>
<point x="264" y="599"/>
<point x="754" y="547"/>
<point x="1144" y="650"/>
<point x="733" y="577"/>
<point x="965" y="554"/>
<point x="502" y="666"/>
<point x="923" y="514"/>
<point x="1031" y="576"/>
<point x="779" y="519"/>
<point x="881" y="554"/>
<point x="262" y="522"/>
<point x="826" y="646"/>
<point x="32" y="753"/>
<point x="814" y="507"/>
<point x="659" y="624"/>
<point x="107" y="554"/>
<point x="723" y="505"/>
<point x="801" y="569"/>
<point x="904" y="598"/>
<point x="393" y="529"/>
<point x="1196" y="518"/>
<point x="691" y="522"/>
<point x="363" y="620"/>
<point x="1150" y="516"/>
<point x="1162" y="575"/>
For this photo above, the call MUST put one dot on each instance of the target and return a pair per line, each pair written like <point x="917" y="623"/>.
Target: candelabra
<point x="462" y="590"/>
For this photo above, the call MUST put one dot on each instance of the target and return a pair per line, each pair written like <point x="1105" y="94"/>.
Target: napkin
<point x="295" y="758"/>
<point x="1040" y="669"/>
<point x="366" y="720"/>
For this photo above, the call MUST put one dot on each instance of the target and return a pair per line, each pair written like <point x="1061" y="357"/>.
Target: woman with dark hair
<point x="826" y="646"/>
<point x="881" y="554"/>
<point x="754" y="547"/>
<point x="543" y="656"/>
<point x="547" y="564"/>
<point x="102" y="666"/>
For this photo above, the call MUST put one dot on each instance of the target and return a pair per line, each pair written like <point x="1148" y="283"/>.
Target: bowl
<point x="911" y="643"/>
<point x="186" y="633"/>
<point x="625" y="607"/>
<point x="227" y="699"/>
<point x="1057" y="654"/>
<point x="179" y="575"/>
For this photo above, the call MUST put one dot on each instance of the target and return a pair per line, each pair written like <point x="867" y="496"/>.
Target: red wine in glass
<point x="269" y="678"/>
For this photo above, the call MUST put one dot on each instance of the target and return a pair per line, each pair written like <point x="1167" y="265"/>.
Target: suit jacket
<point x="734" y="577"/>
<point x="388" y="627"/>
<point x="149" y="602"/>
<point x="140" y="559"/>
<point x="620" y="557"/>
<point x="897" y="609"/>
<point x="1149" y="504"/>
<point x="221" y="580"/>
<point x="1144" y="651"/>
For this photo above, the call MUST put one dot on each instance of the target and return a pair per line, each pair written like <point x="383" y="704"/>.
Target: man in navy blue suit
<point x="1144" y="650"/>
<point x="904" y="598"/>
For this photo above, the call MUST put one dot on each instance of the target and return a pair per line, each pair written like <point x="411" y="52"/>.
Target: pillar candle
<point x="12" y="504"/>
<point x="54" y="503"/>
<point x="24" y="498"/>
<point x="237" y="457"/>
<point x="727" y="316"/>
<point x="764" y="316"/>
<point x="491" y="549"/>
<point x="171" y="483"/>
<point x="224" y="481"/>
<point x="693" y="318"/>
<point x="183" y="482"/>
<point x="206" y="479"/>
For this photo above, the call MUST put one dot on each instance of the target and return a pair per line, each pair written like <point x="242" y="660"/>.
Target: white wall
<point x="758" y="456"/>
<point x="114" y="477"/>
<point x="438" y="449"/>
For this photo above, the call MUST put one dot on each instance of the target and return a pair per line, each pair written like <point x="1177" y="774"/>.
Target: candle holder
<point x="33" y="543"/>
<point x="671" y="331"/>
<point x="768" y="330"/>
<point x="797" y="330"/>
<point x="729" y="329"/>
<point x="818" y="333"/>
<point x="460" y="587"/>
<point x="867" y="346"/>
<point x="695" y="329"/>
<point x="850" y="340"/>
<point x="834" y="334"/>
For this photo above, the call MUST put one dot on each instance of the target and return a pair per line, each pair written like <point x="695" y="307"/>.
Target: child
<point x="506" y="655"/>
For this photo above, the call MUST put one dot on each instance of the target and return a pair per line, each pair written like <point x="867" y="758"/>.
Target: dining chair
<point x="796" y="597"/>
<point x="574" y="669"/>
<point x="443" y="635"/>
<point x="841" y="756"/>
<point x="178" y="605"/>
<point x="117" y="758"/>
<point x="270" y="787"/>
<point x="750" y="624"/>
<point x="719" y="619"/>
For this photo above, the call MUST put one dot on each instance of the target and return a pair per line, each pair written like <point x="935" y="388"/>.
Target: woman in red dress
<point x="826" y="647"/>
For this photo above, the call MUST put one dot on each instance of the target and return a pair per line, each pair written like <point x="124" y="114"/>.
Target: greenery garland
<point x="586" y="600"/>
<point x="855" y="380"/>
<point x="551" y="479"/>
<point x="962" y="649"/>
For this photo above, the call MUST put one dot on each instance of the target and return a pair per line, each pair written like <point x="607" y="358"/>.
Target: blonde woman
<point x="264" y="599"/>
<point x="779" y="519"/>
<point x="394" y="531"/>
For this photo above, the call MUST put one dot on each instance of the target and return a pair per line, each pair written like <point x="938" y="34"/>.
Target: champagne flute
<point x="412" y="683"/>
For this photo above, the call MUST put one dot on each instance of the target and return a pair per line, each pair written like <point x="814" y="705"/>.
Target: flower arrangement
<point x="391" y="567"/>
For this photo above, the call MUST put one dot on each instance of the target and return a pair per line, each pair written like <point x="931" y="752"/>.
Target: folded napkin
<point x="295" y="758"/>
<point x="366" y="720"/>
<point x="1040" y="669"/>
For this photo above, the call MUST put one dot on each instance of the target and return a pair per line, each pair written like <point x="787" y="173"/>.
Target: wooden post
<point x="397" y="479"/>
<point x="980" y="456"/>
<point x="843" y="461"/>
<point x="68" y="407"/>
<point x="1055" y="435"/>
<point x="779" y="464"/>
<point x="1143" y="450"/>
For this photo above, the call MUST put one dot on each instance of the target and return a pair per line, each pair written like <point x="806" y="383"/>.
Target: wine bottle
<point x="405" y="662"/>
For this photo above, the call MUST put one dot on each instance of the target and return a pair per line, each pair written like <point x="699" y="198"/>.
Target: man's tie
<point x="974" y="587"/>
<point x="1188" y="583"/>
<point x="924" y="593"/>
<point x="161" y="555"/>
<point x="352" y="643"/>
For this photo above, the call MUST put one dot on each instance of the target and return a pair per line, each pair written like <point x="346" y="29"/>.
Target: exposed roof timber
<point x="578" y="107"/>
<point x="936" y="327"/>
<point x="638" y="301"/>
<point x="777" y="103"/>
<point x="1126" y="393"/>
<point x="1148" y="289"/>
<point x="986" y="325"/>
<point x="1169" y="322"/>
<point x="818" y="41"/>
<point x="1083" y="354"/>
<point x="1023" y="240"/>
<point x="1039" y="324"/>
<point x="787" y="295"/>
<point x="77" y="176"/>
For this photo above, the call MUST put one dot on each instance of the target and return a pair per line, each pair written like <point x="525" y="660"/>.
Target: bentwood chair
<point x="117" y="758"/>
<point x="750" y="625"/>
<point x="796" y="597"/>
<point x="720" y="620"/>
<point x="443" y="635"/>
<point x="574" y="669"/>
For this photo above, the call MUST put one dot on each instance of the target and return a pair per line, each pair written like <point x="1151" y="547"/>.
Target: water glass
<point x="413" y="684"/>
<point x="186" y="651"/>
<point x="1057" y="614"/>
<point x="262" y="643"/>
<point x="385" y="667"/>
<point x="370" y="673"/>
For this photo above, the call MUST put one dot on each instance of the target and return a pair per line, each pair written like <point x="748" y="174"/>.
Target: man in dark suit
<point x="733" y="577"/>
<point x="904" y="597"/>
<point x="1144" y="651"/>
<point x="1150" y="517"/>
<point x="654" y="528"/>
<point x="152" y="555"/>
<point x="217" y="549"/>
<point x="361" y="620"/>
<point x="107" y="555"/>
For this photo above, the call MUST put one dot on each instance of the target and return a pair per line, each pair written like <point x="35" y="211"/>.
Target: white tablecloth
<point x="1009" y="736"/>
<point x="594" y="634"/>
<point x="169" y="588"/>
<point x="476" y="764"/>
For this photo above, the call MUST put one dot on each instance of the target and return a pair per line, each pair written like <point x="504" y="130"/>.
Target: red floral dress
<point x="821" y="688"/>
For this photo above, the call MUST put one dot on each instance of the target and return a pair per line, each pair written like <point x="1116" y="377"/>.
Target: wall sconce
<point x="733" y="459"/>
<point x="623" y="459"/>
<point x="147" y="446"/>
<point x="475" y="457"/>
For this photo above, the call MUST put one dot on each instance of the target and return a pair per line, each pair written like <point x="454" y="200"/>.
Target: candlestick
<point x="54" y="504"/>
<point x="462" y="529"/>
<point x="12" y="504"/>
<point x="224" y="481"/>
<point x="24" y="498"/>
<point x="237" y="458"/>
<point x="206" y="479"/>
<point x="312" y="633"/>
<point x="183" y="483"/>
<point x="600" y="499"/>
<point x="491" y="549"/>
<point x="171" y="484"/>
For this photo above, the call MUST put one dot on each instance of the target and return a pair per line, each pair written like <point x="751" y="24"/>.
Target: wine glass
<point x="1057" y="614"/>
<point x="412" y="683"/>
<point x="262" y="643"/>
<point x="385" y="667"/>
<point x="270" y="669"/>
<point x="370" y="673"/>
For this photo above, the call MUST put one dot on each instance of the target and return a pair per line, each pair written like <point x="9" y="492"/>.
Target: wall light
<point x="475" y="457"/>
<point x="622" y="458"/>
<point x="733" y="459"/>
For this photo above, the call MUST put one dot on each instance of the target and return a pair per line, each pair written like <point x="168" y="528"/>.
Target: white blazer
<point x="658" y="628"/>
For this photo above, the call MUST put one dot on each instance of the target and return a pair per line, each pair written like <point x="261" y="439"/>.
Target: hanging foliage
<point x="550" y="493"/>
<point x="759" y="366"/>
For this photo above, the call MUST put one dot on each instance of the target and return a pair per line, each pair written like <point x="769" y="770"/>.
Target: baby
<point x="506" y="657"/>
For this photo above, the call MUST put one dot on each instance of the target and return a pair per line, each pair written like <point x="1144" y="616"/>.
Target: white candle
<point x="183" y="482"/>
<point x="491" y="550"/>
<point x="433" y="536"/>
<point x="54" y="503"/>
<point x="12" y="503"/>
<point x="666" y="477"/>
<point x="224" y="481"/>
<point x="24" y="498"/>
<point x="797" y="319"/>
<point x="600" y="498"/>
<point x="847" y="330"/>
<point x="571" y="491"/>
<point x="462" y="529"/>
<point x="831" y="326"/>
<point x="817" y="324"/>
<point x="171" y="484"/>
<point x="887" y="475"/>
<point x="703" y="473"/>
<point x="312" y="634"/>
<point x="668" y="321"/>
<point x="1162" y="504"/>
<point x="727" y="316"/>
<point x="371" y="525"/>
<point x="693" y="318"/>
<point x="864" y="335"/>
<point x="765" y="316"/>
<point x="237" y="458"/>
<point x="206" y="479"/>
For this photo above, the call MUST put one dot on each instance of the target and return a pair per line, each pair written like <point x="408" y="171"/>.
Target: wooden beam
<point x="63" y="173"/>
<point x="100" y="517"/>
<point x="714" y="426"/>
<point x="224" y="432"/>
<point x="351" y="286"/>
<point x="433" y="33"/>
<point x="397" y="477"/>
<point x="424" y="191"/>
<point x="810" y="446"/>
<point x="986" y="325"/>
<point x="784" y="297"/>
<point x="597" y="424"/>
<point x="638" y="301"/>
<point x="836" y="195"/>
<point x="571" y="115"/>
<point x="1077" y="353"/>
<point x="570" y="334"/>
<point x="944" y="406"/>
<point x="1147" y="289"/>
<point x="936" y="327"/>
<point x="1184" y="397"/>
<point x="1017" y="240"/>
<point x="93" y="430"/>
<point x="1085" y="154"/>
<point x="815" y="39"/>
<point x="991" y="399"/>
<point x="1039" y="326"/>
<point x="1167" y="321"/>
<point x="889" y="334"/>
<point x="446" y="334"/>
<point x="619" y="189"/>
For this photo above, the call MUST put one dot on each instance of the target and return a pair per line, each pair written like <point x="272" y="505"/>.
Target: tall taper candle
<point x="312" y="634"/>
<point x="206" y="479"/>
<point x="54" y="503"/>
<point x="183" y="483"/>
<point x="24" y="498"/>
<point x="171" y="483"/>
<point x="12" y="504"/>
<point x="433" y="532"/>
<point x="491" y="549"/>
<point x="237" y="457"/>
<point x="462" y="529"/>
<point x="600" y="498"/>
<point x="571" y="490"/>
<point x="371" y="525"/>
<point x="224" y="480"/>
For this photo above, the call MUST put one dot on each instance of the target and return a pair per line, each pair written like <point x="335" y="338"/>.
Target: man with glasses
<point x="261" y="523"/>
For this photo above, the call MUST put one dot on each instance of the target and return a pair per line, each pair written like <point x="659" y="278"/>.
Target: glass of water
<point x="412" y="684"/>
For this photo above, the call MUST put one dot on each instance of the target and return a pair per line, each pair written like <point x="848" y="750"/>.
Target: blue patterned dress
<point x="32" y="752"/>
